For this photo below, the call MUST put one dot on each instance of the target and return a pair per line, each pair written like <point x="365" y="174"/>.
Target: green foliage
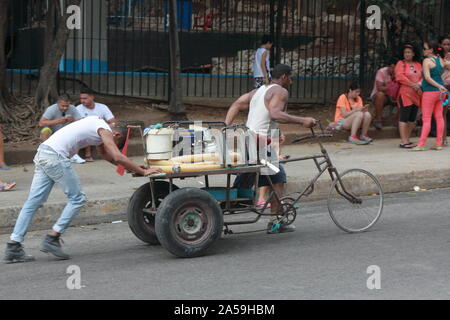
<point x="406" y="21"/>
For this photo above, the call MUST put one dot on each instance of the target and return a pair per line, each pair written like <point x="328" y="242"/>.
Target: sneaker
<point x="365" y="138"/>
<point x="14" y="253"/>
<point x="77" y="159"/>
<point x="378" y="124"/>
<point x="273" y="228"/>
<point x="356" y="140"/>
<point x="52" y="244"/>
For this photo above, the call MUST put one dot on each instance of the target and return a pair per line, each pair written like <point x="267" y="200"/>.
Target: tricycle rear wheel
<point x="188" y="222"/>
<point x="142" y="224"/>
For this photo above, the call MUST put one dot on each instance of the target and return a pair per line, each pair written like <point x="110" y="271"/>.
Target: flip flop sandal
<point x="408" y="145"/>
<point x="7" y="186"/>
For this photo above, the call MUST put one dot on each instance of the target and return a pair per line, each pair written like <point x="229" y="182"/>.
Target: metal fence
<point x="122" y="46"/>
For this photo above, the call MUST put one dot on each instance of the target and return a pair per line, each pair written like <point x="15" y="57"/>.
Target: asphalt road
<point x="410" y="245"/>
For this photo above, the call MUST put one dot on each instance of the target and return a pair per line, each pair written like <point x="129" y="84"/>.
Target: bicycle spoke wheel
<point x="355" y="202"/>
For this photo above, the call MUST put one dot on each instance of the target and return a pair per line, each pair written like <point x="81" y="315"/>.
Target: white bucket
<point x="159" y="144"/>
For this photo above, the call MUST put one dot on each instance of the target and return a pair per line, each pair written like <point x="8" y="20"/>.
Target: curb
<point x="109" y="210"/>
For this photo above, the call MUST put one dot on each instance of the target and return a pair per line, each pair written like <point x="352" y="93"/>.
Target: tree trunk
<point x="46" y="89"/>
<point x="5" y="97"/>
<point x="176" y="107"/>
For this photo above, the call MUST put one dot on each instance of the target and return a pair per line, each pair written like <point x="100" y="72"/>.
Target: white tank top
<point x="259" y="120"/>
<point x="257" y="72"/>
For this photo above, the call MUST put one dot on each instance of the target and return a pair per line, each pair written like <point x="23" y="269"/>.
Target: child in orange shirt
<point x="352" y="115"/>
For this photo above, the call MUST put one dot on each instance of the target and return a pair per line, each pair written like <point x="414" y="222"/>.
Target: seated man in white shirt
<point x="89" y="107"/>
<point x="56" y="117"/>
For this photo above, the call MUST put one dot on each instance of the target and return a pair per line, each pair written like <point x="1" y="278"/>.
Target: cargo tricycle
<point x="188" y="221"/>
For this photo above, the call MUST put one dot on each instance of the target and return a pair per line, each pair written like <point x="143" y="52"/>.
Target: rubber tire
<point x="167" y="211"/>
<point x="380" y="209"/>
<point x="142" y="196"/>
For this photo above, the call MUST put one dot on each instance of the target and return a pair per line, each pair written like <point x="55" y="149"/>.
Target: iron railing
<point x="122" y="46"/>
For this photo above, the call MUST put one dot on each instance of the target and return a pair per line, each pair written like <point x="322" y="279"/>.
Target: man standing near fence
<point x="261" y="65"/>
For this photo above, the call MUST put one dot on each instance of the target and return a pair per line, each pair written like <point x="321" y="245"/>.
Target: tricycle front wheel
<point x="188" y="222"/>
<point x="355" y="200"/>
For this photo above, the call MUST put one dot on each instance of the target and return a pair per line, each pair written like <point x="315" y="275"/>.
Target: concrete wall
<point x="87" y="49"/>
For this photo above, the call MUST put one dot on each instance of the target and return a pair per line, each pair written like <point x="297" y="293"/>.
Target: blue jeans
<point x="50" y="168"/>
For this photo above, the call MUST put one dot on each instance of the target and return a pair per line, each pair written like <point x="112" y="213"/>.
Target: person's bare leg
<point x="273" y="201"/>
<point x="367" y="119"/>
<point x="379" y="101"/>
<point x="411" y="127"/>
<point x="88" y="154"/>
<point x="353" y="123"/>
<point x="44" y="136"/>
<point x="405" y="132"/>
<point x="2" y="152"/>
<point x="263" y="191"/>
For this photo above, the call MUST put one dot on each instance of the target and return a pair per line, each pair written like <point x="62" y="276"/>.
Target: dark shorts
<point x="408" y="114"/>
<point x="247" y="180"/>
<point x="259" y="82"/>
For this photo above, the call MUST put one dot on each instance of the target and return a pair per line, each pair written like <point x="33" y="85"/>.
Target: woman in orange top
<point x="352" y="115"/>
<point x="408" y="72"/>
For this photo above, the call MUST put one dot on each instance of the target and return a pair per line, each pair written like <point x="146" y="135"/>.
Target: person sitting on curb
<point x="53" y="165"/>
<point x="89" y="107"/>
<point x="379" y="94"/>
<point x="56" y="117"/>
<point x="352" y="115"/>
<point x="3" y="165"/>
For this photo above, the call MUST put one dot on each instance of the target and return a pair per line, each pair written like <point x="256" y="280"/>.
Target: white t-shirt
<point x="257" y="72"/>
<point x="100" y="110"/>
<point x="77" y="135"/>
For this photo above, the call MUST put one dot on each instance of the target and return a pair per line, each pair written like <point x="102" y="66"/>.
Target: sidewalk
<point x="108" y="193"/>
<point x="25" y="154"/>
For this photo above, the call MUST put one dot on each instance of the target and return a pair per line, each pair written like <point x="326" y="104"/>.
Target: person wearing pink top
<point x="379" y="94"/>
<point x="408" y="73"/>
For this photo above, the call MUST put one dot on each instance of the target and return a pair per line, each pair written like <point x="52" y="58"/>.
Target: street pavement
<point x="409" y="246"/>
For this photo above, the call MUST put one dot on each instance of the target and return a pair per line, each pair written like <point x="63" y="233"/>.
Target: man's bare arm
<point x="112" y="154"/>
<point x="276" y="105"/>
<point x="263" y="67"/>
<point x="241" y="104"/>
<point x="44" y="122"/>
<point x="102" y="152"/>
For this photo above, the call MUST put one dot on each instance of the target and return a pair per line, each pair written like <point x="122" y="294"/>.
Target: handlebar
<point x="314" y="135"/>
